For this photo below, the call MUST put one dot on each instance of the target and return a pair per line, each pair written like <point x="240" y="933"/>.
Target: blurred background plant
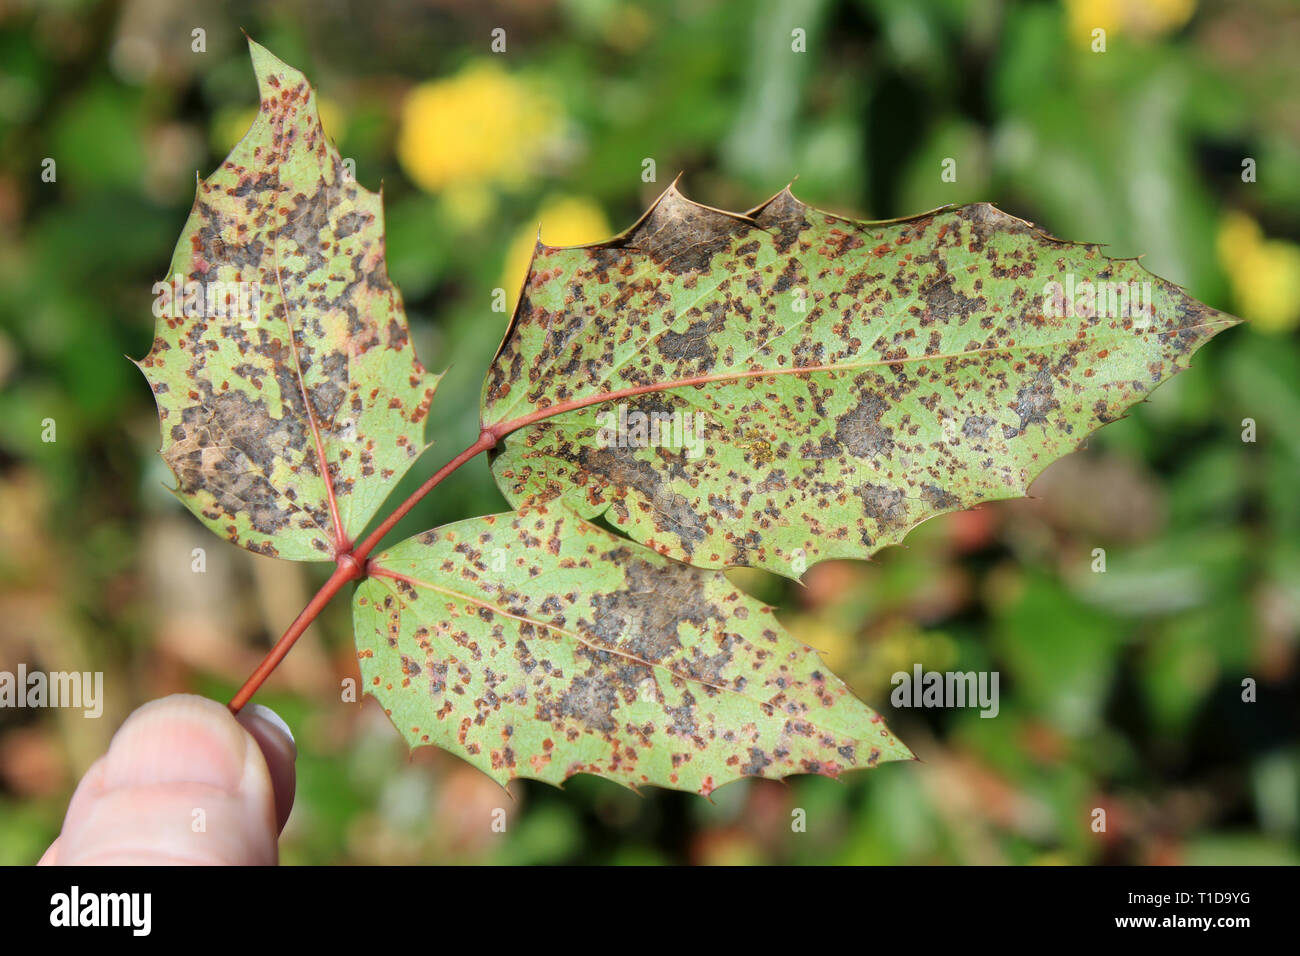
<point x="1120" y="691"/>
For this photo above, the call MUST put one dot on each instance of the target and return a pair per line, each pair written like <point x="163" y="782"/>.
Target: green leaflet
<point x="313" y="365"/>
<point x="848" y="380"/>
<point x="537" y="645"/>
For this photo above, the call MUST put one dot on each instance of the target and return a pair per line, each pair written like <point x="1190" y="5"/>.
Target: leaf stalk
<point x="352" y="565"/>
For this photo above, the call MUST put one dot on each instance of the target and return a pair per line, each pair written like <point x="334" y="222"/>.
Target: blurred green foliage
<point x="1119" y="690"/>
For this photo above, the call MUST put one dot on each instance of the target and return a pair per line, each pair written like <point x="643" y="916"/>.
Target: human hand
<point x="183" y="782"/>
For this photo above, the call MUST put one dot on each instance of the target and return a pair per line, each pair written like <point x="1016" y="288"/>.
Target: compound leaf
<point x="819" y="385"/>
<point x="290" y="397"/>
<point x="825" y="385"/>
<point x="535" y="644"/>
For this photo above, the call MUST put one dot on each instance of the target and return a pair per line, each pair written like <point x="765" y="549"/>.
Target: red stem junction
<point x="353" y="562"/>
<point x="351" y="567"/>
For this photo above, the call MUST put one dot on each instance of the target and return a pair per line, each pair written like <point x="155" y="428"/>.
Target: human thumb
<point x="183" y="782"/>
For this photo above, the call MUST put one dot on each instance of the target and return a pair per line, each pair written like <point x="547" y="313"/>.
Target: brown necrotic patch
<point x="643" y="618"/>
<point x="682" y="236"/>
<point x="330" y="384"/>
<point x="884" y="504"/>
<point x="825" y="447"/>
<point x="692" y="344"/>
<point x="589" y="699"/>
<point x="670" y="511"/>
<point x="859" y="429"/>
<point x="944" y="303"/>
<point x="308" y="218"/>
<point x="785" y="216"/>
<point x="808" y="353"/>
<point x="1036" y="399"/>
<point x="988" y="222"/>
<point x="977" y="426"/>
<point x="681" y="719"/>
<point x="758" y="761"/>
<point x="939" y="499"/>
<point x="229" y="446"/>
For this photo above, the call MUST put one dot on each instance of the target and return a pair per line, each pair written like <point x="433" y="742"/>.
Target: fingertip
<point x="182" y="738"/>
<point x="182" y="782"/>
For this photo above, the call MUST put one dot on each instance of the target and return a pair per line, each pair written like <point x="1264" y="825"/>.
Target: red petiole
<point x="351" y="567"/>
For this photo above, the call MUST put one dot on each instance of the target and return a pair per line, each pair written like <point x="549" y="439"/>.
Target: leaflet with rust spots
<point x="289" y="393"/>
<point x="535" y="644"/>
<point x="808" y="387"/>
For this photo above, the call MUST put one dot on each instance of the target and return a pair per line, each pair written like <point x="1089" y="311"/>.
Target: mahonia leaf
<point x="292" y="405"/>
<point x="847" y="379"/>
<point x="535" y="644"/>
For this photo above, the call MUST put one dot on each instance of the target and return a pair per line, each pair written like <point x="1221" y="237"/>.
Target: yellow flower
<point x="1264" y="273"/>
<point x="480" y="126"/>
<point x="565" y="221"/>
<point x="1144" y="18"/>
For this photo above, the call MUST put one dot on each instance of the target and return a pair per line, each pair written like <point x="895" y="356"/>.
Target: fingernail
<point x="274" y="720"/>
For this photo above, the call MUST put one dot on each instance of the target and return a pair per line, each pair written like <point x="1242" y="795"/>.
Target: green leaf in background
<point x="535" y="644"/>
<point x="827" y="384"/>
<point x="290" y="397"/>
